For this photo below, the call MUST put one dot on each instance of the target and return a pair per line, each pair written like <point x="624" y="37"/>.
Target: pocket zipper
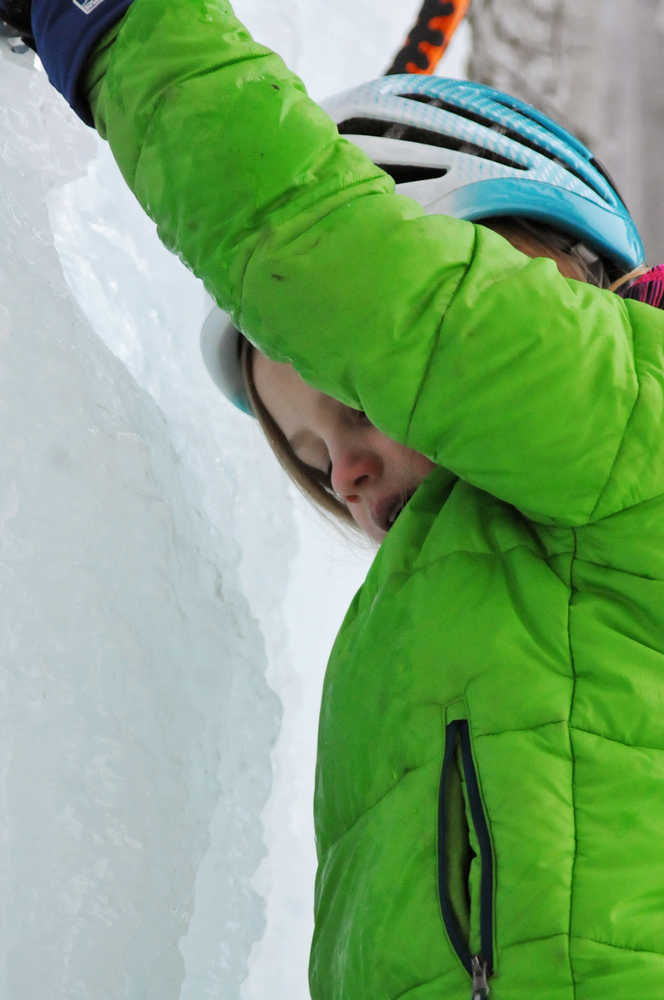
<point x="479" y="966"/>
<point x="480" y="973"/>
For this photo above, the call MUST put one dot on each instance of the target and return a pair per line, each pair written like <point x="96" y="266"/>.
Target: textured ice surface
<point x="136" y="717"/>
<point x="159" y="582"/>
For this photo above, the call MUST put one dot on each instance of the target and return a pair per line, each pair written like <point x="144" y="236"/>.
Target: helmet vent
<point x="436" y="102"/>
<point x="600" y="168"/>
<point x="408" y="133"/>
<point x="405" y="173"/>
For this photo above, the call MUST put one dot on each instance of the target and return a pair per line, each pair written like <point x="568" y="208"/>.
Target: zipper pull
<point x="480" y="981"/>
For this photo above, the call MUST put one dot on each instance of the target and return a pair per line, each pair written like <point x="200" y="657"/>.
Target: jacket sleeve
<point x="545" y="392"/>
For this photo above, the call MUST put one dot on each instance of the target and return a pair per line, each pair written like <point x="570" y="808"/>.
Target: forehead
<point x="291" y="403"/>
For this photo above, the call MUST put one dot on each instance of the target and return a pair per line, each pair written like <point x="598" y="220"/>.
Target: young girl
<point x="491" y="749"/>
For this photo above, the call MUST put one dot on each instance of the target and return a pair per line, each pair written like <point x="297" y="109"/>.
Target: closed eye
<point x="323" y="477"/>
<point x="305" y="438"/>
<point x="326" y="479"/>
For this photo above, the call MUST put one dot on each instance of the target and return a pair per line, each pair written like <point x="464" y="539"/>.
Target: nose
<point x="353" y="470"/>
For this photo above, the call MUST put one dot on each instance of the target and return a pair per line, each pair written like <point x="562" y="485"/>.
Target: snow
<point x="167" y="600"/>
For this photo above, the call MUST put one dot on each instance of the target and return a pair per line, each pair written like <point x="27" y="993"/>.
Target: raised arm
<point x="545" y="392"/>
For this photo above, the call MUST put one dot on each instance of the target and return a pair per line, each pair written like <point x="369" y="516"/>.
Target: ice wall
<point x="136" y="717"/>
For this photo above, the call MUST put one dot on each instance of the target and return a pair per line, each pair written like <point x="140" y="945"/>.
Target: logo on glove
<point x="87" y="6"/>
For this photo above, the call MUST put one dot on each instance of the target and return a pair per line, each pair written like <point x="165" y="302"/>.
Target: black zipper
<point x="458" y="757"/>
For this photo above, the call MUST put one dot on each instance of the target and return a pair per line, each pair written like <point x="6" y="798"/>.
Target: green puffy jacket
<point x="491" y="759"/>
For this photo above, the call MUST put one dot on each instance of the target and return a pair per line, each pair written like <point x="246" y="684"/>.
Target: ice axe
<point x="429" y="37"/>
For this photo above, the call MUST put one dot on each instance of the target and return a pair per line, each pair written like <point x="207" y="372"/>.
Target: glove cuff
<point x="65" y="33"/>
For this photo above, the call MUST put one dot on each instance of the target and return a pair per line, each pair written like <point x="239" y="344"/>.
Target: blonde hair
<point x="574" y="260"/>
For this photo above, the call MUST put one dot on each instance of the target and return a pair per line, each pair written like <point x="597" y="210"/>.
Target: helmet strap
<point x="629" y="277"/>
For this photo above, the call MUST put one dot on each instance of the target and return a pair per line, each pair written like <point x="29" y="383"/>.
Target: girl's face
<point x="373" y="475"/>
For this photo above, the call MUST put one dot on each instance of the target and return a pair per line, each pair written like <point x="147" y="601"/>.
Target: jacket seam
<point x="572" y="728"/>
<point x="573" y="759"/>
<point x="619" y="947"/>
<point x="545" y="558"/>
<point x="535" y="940"/>
<point x="614" y="569"/>
<point x="581" y="937"/>
<point x="435" y="760"/>
<point x="492" y="553"/>
<point x="622" y="437"/>
<point x="432" y="352"/>
<point x="611" y="739"/>
<point x="524" y="729"/>
<point x="622" y="510"/>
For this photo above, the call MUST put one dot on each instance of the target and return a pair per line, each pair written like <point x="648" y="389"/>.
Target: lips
<point x="387" y="510"/>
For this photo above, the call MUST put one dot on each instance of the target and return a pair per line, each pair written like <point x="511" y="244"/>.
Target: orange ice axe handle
<point x="430" y="36"/>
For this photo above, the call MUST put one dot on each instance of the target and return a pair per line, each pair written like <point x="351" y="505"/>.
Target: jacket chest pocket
<point x="465" y="861"/>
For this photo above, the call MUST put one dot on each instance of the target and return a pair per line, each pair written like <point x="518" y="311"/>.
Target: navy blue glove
<point x="65" y="32"/>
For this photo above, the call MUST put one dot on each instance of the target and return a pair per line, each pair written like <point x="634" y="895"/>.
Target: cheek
<point x="409" y="463"/>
